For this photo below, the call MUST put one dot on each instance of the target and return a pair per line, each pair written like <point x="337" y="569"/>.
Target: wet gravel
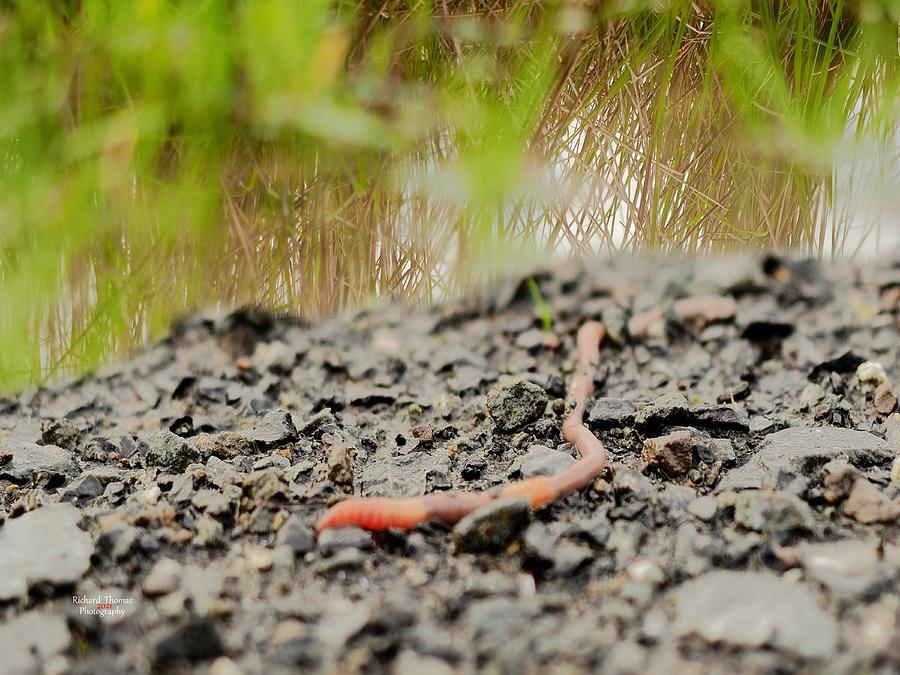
<point x="158" y="516"/>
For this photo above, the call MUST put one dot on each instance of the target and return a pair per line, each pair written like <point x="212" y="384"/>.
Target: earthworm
<point x="381" y="513"/>
<point x="699" y="310"/>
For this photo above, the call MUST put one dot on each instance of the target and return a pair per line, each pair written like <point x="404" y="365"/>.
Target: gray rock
<point x="704" y="508"/>
<point x="297" y="535"/>
<point x="29" y="641"/>
<point x="672" y="454"/>
<point x="118" y="540"/>
<point x="164" y="578"/>
<point x="28" y="458"/>
<point x="493" y="526"/>
<point x="851" y="569"/>
<point x="753" y="609"/>
<point x="170" y="452"/>
<point x="765" y="511"/>
<point x="800" y="450"/>
<point x="336" y="539"/>
<point x="611" y="413"/>
<point x="632" y="484"/>
<point x="45" y="545"/>
<point x="275" y="430"/>
<point x="403" y="475"/>
<point x="514" y="405"/>
<point x="543" y="461"/>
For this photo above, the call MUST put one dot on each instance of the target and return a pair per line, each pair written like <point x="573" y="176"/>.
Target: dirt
<point x="159" y="515"/>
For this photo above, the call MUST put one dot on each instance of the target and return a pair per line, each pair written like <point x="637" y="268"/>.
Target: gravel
<point x="747" y="520"/>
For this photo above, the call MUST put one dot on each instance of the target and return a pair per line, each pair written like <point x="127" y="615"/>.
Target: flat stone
<point x="674" y="410"/>
<point x="493" y="526"/>
<point x="43" y="546"/>
<point x="799" y="450"/>
<point x="755" y="609"/>
<point x="514" y="405"/>
<point x="868" y="505"/>
<point x="612" y="413"/>
<point x="29" y="457"/>
<point x="543" y="461"/>
<point x="765" y="511"/>
<point x="32" y="639"/>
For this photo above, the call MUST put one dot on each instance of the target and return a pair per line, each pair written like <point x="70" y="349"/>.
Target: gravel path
<point x="158" y="516"/>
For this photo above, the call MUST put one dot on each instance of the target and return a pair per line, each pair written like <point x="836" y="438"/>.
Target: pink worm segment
<point x="382" y="513"/>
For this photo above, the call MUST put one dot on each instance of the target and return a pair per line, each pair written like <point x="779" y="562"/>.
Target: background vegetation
<point x="158" y="156"/>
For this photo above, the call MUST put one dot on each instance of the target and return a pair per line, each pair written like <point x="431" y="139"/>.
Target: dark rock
<point x="753" y="609"/>
<point x="673" y="410"/>
<point x="846" y="362"/>
<point x="672" y="454"/>
<point x="473" y="468"/>
<point x="275" y="430"/>
<point x="82" y="490"/>
<point x="62" y="433"/>
<point x="321" y="423"/>
<point x="170" y="452"/>
<point x="43" y="546"/>
<point x="339" y="538"/>
<point x="493" y="526"/>
<point x="773" y="512"/>
<point x="366" y="397"/>
<point x="28" y="458"/>
<point x="195" y="641"/>
<point x="118" y="540"/>
<point x="514" y="405"/>
<point x="611" y="413"/>
<point x="297" y="535"/>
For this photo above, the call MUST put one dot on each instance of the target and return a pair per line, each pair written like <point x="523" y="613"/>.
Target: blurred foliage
<point x="159" y="156"/>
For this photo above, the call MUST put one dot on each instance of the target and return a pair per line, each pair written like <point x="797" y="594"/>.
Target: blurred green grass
<point x="160" y="156"/>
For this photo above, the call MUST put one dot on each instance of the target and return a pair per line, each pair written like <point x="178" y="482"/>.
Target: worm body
<point x="381" y="513"/>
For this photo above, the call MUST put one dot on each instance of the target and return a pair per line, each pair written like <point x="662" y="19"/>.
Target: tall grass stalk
<point x="159" y="156"/>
